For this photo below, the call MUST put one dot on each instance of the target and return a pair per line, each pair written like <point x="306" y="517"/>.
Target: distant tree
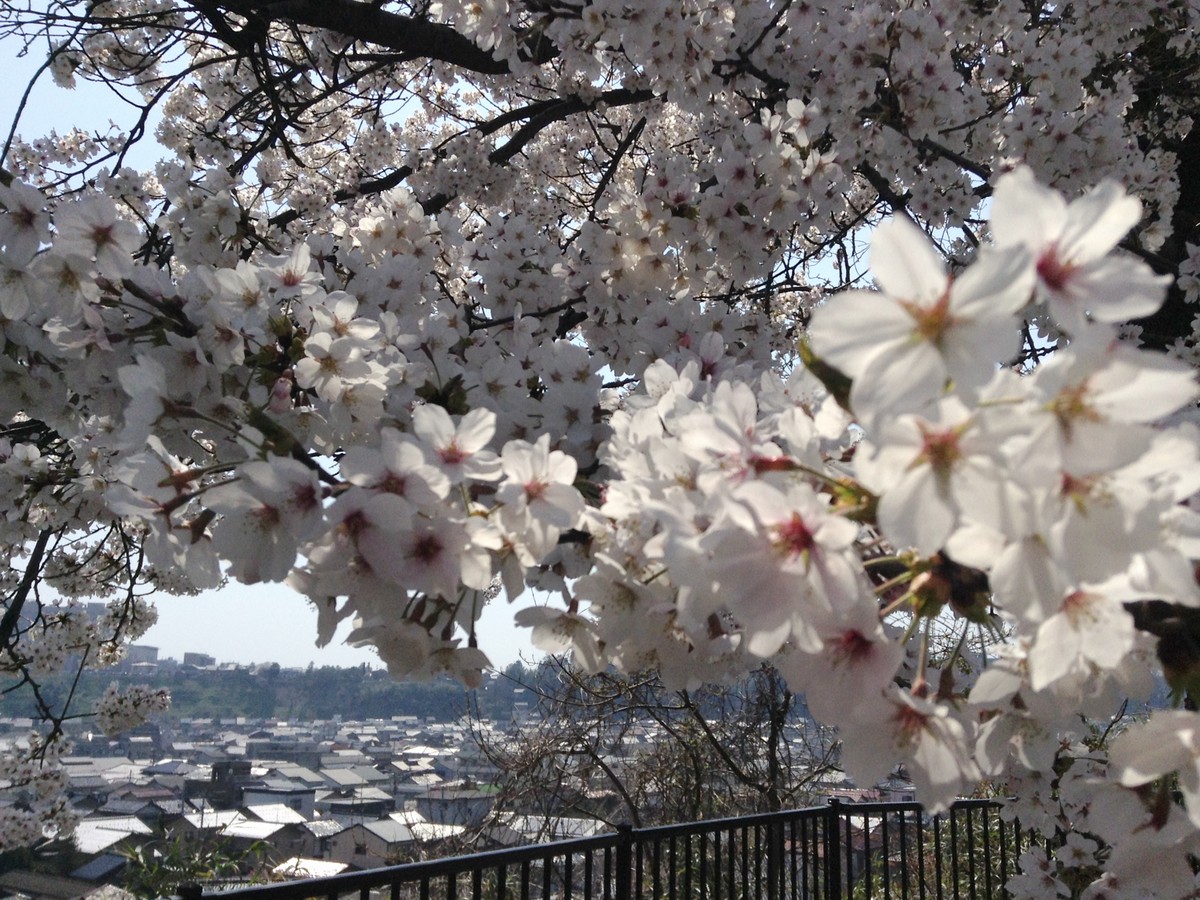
<point x="158" y="868"/>
<point x="722" y="750"/>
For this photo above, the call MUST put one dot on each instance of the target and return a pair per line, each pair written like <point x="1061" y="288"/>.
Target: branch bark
<point x="12" y="615"/>
<point x="366" y="22"/>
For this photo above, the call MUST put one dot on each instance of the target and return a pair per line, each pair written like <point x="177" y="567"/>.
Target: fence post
<point x="190" y="891"/>
<point x="623" y="889"/>
<point x="775" y="856"/>
<point x="833" y="850"/>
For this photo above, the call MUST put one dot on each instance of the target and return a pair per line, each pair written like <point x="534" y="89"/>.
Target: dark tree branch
<point x="541" y="114"/>
<point x="12" y="615"/>
<point x="370" y="24"/>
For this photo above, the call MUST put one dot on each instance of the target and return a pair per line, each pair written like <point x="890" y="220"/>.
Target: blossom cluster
<point x="745" y="516"/>
<point x="120" y="709"/>
<point x="34" y="773"/>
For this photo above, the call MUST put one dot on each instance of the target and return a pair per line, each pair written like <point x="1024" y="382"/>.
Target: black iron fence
<point x="843" y="851"/>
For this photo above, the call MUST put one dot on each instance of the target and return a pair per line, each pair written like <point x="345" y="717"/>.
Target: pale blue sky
<point x="271" y="623"/>
<point x="264" y="623"/>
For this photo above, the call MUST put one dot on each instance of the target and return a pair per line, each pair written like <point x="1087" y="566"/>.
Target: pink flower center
<point x="1077" y="607"/>
<point x="1073" y="404"/>
<point x="794" y="537"/>
<point x="852" y="646"/>
<point x="102" y="235"/>
<point x="355" y="523"/>
<point x="1075" y="488"/>
<point x="1053" y="272"/>
<point x="534" y="490"/>
<point x="762" y="464"/>
<point x="910" y="722"/>
<point x="941" y="450"/>
<point x="394" y="484"/>
<point x="932" y="322"/>
<point x="451" y="455"/>
<point x="427" y="549"/>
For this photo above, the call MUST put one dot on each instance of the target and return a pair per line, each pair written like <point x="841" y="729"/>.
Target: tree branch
<point x="12" y="615"/>
<point x="405" y="34"/>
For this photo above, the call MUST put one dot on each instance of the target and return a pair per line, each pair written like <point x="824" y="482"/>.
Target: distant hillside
<point x="299" y="695"/>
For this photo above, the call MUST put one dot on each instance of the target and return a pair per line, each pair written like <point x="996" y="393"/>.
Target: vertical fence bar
<point x="848" y="854"/>
<point x="954" y="853"/>
<point x="971" y="849"/>
<point x="833" y="851"/>
<point x="885" y="849"/>
<point x="866" y="851"/>
<point x="687" y="867"/>
<point x="624" y="863"/>
<point x="671" y="860"/>
<point x="921" y="867"/>
<point x="731" y="863"/>
<point x="758" y="860"/>
<point x="986" y="812"/>
<point x="937" y="856"/>
<point x="656" y="862"/>
<point x="745" y="861"/>
<point x="717" y="865"/>
<point x="1003" y="850"/>
<point x="811" y="858"/>
<point x="639" y="868"/>
<point x="789" y="856"/>
<point x="776" y="848"/>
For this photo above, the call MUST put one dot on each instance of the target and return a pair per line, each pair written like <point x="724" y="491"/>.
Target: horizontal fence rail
<point x="843" y="851"/>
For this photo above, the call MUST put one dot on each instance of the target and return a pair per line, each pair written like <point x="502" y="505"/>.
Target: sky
<point x="272" y="623"/>
<point x="239" y="623"/>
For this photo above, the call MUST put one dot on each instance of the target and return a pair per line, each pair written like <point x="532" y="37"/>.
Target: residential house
<point x="455" y="804"/>
<point x="369" y="845"/>
<point x="354" y="805"/>
<point x="298" y="797"/>
<point x="110" y="834"/>
<point x="318" y="837"/>
<point x="299" y="867"/>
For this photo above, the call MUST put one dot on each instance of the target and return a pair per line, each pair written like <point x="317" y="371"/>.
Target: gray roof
<point x="280" y="786"/>
<point x="324" y="827"/>
<point x="298" y="773"/>
<point x="95" y="834"/>
<point x="275" y="812"/>
<point x="390" y="831"/>
<point x="101" y="867"/>
<point x="343" y="777"/>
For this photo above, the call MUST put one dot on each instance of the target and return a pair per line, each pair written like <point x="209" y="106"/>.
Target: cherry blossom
<point x="1071" y="244"/>
<point x="538" y="491"/>
<point x="902" y="345"/>
<point x="459" y="451"/>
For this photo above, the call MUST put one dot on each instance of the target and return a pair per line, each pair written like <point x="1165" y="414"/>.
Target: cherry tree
<point x="427" y="305"/>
